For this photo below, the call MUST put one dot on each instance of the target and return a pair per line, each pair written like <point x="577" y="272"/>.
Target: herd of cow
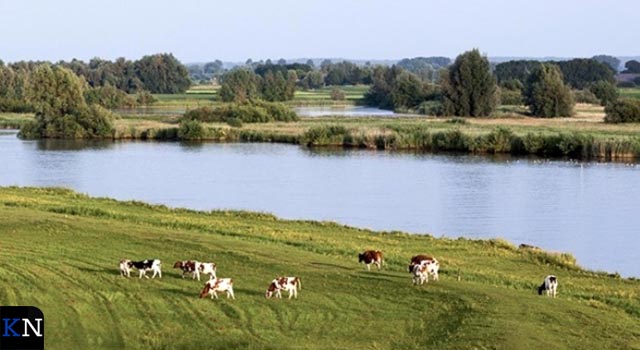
<point x="421" y="267"/>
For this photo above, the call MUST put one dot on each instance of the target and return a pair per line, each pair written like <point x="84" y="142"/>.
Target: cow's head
<point x="177" y="265"/>
<point x="205" y="291"/>
<point x="272" y="288"/>
<point x="361" y="257"/>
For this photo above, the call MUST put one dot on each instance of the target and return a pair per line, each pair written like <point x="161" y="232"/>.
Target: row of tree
<point x="159" y="73"/>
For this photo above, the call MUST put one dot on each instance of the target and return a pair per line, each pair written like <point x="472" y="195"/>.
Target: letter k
<point x="7" y="327"/>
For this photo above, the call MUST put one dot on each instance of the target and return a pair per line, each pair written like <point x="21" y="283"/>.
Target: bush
<point x="605" y="91"/>
<point x="190" y="130"/>
<point x="326" y="135"/>
<point x="254" y="112"/>
<point x="511" y="97"/>
<point x="585" y="96"/>
<point x="623" y="111"/>
<point x="108" y="97"/>
<point x="145" y="98"/>
<point x="235" y="122"/>
<point x="337" y="94"/>
<point x="15" y="106"/>
<point x="433" y="108"/>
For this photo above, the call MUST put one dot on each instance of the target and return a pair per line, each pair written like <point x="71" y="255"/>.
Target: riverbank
<point x="584" y="136"/>
<point x="61" y="251"/>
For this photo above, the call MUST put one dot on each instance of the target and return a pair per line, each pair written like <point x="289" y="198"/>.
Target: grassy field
<point x="199" y="96"/>
<point x="60" y="252"/>
<point x="630" y="92"/>
<point x="13" y="120"/>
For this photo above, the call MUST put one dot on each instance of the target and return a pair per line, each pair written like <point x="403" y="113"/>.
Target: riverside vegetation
<point x="61" y="251"/>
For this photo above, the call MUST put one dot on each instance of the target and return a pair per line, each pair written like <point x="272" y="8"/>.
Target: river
<point x="588" y="209"/>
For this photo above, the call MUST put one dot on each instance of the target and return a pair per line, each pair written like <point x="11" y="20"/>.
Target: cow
<point x="420" y="274"/>
<point x="290" y="284"/>
<point x="215" y="285"/>
<point x="196" y="268"/>
<point x="207" y="269"/>
<point x="432" y="265"/>
<point x="146" y="265"/>
<point x="371" y="257"/>
<point x="549" y="285"/>
<point x="187" y="266"/>
<point x="125" y="270"/>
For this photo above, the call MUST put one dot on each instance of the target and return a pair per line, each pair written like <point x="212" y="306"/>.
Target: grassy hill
<point x="59" y="250"/>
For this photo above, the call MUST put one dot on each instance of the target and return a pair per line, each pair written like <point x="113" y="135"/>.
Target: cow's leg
<point x="368" y="267"/>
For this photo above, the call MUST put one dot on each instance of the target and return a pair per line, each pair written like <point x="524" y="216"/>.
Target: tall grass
<point x="499" y="140"/>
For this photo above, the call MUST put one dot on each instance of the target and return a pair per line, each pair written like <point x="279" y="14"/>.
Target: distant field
<point x="630" y="92"/>
<point x="60" y="252"/>
<point x="14" y="120"/>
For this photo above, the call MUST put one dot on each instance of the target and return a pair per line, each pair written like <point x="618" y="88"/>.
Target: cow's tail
<point x="298" y="282"/>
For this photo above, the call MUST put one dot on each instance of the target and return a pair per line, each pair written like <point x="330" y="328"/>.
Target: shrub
<point x="235" y="122"/>
<point x="511" y="97"/>
<point x="337" y="94"/>
<point x="108" y="96"/>
<point x="326" y="135"/>
<point x="145" y="98"/>
<point x="191" y="130"/>
<point x="254" y="112"/>
<point x="605" y="91"/>
<point x="623" y="111"/>
<point x="433" y="108"/>
<point x="585" y="96"/>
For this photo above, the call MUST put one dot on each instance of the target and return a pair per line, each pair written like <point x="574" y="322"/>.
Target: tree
<point x="426" y="68"/>
<point x="238" y="85"/>
<point x="469" y="88"/>
<point x="605" y="91"/>
<point x="61" y="111"/>
<point x="546" y="95"/>
<point x="313" y="80"/>
<point x="579" y="73"/>
<point x="632" y="66"/>
<point x="162" y="74"/>
<point x="515" y="71"/>
<point x="394" y="88"/>
<point x="611" y="61"/>
<point x="623" y="111"/>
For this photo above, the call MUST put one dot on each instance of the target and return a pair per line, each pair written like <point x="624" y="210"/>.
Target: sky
<point x="201" y="31"/>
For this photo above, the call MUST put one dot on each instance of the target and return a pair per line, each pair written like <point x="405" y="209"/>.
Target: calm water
<point x="590" y="210"/>
<point x="315" y="111"/>
<point x="344" y="111"/>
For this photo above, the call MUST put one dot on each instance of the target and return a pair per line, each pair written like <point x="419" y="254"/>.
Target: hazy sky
<point x="235" y="30"/>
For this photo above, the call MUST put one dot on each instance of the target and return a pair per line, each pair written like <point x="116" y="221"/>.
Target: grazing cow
<point x="147" y="265"/>
<point x="215" y="285"/>
<point x="549" y="285"/>
<point x="371" y="257"/>
<point x="430" y="263"/>
<point x="196" y="268"/>
<point x="125" y="270"/>
<point x="187" y="266"/>
<point x="289" y="284"/>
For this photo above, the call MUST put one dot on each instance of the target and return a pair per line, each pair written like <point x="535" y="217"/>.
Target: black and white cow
<point x="549" y="285"/>
<point x="142" y="266"/>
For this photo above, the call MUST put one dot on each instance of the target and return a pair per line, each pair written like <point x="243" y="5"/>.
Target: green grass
<point x="630" y="92"/>
<point x="14" y="120"/>
<point x="60" y="252"/>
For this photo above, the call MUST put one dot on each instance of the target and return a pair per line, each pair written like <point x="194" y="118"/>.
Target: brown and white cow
<point x="420" y="274"/>
<point x="187" y="266"/>
<point x="196" y="268"/>
<point x="215" y="285"/>
<point x="289" y="284"/>
<point x="431" y="264"/>
<point x="371" y="257"/>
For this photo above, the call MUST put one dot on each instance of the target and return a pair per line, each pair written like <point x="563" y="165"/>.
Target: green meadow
<point x="60" y="252"/>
